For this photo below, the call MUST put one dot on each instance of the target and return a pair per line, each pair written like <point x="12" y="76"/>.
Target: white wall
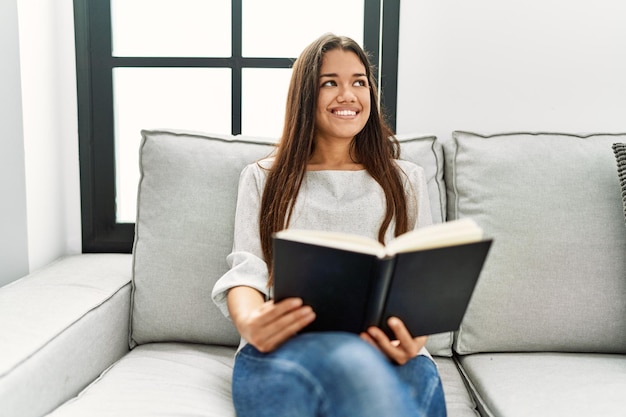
<point x="484" y="65"/>
<point x="13" y="232"/>
<point x="494" y="66"/>
<point x="50" y="129"/>
<point x="39" y="180"/>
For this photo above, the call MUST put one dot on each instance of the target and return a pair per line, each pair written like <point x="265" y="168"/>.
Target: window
<point x="214" y="66"/>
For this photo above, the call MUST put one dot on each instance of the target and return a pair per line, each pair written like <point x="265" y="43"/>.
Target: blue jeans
<point x="333" y="374"/>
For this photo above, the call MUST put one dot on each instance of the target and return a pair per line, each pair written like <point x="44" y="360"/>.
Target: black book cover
<point x="349" y="291"/>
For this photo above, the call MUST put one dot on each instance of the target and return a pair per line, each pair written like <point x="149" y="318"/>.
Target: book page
<point x="338" y="240"/>
<point x="456" y="232"/>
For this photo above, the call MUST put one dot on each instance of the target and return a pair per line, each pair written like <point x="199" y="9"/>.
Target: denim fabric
<point x="333" y="374"/>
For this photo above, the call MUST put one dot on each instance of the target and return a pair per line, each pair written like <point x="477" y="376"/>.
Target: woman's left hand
<point x="401" y="350"/>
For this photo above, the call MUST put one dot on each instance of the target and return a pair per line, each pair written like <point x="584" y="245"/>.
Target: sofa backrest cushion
<point x="185" y="214"/>
<point x="555" y="276"/>
<point x="184" y="229"/>
<point x="427" y="152"/>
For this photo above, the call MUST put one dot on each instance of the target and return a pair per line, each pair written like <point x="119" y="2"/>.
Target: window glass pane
<point x="264" y="92"/>
<point x="267" y="32"/>
<point x="152" y="98"/>
<point x="189" y="28"/>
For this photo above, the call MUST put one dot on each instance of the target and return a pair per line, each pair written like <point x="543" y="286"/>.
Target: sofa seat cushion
<point x="179" y="379"/>
<point x="459" y="402"/>
<point x="548" y="384"/>
<point x="60" y="327"/>
<point x="164" y="379"/>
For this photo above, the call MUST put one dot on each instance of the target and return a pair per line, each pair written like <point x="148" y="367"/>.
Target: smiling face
<point x="343" y="102"/>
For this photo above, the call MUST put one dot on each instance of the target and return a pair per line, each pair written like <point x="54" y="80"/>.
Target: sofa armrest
<point x="60" y="327"/>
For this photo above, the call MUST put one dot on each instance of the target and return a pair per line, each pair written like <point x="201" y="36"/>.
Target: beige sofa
<point x="138" y="335"/>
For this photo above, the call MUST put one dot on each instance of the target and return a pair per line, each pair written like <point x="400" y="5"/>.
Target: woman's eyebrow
<point x="331" y="75"/>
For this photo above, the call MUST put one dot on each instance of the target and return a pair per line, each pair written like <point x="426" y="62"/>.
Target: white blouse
<point x="343" y="201"/>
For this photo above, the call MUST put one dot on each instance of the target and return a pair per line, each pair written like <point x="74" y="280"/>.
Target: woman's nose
<point x="346" y="95"/>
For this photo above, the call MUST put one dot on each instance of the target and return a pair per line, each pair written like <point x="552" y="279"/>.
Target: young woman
<point x="336" y="168"/>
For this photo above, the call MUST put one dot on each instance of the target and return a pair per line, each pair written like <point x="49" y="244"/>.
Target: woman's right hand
<point x="267" y="325"/>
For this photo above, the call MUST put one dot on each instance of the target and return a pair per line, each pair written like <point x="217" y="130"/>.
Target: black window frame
<point x="94" y="68"/>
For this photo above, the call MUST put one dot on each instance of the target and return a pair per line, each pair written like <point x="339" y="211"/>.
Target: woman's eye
<point x="360" y="83"/>
<point x="329" y="83"/>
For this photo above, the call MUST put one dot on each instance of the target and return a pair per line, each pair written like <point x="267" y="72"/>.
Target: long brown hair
<point x="374" y="147"/>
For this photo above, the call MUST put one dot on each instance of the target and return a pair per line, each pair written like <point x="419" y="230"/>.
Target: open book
<point x="425" y="277"/>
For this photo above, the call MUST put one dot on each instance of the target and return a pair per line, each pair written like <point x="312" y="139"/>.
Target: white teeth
<point x="345" y="113"/>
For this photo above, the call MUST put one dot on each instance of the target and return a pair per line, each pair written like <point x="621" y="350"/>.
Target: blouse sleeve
<point x="247" y="267"/>
<point x="418" y="198"/>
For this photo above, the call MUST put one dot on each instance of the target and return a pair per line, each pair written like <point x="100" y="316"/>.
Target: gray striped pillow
<point x="620" y="154"/>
